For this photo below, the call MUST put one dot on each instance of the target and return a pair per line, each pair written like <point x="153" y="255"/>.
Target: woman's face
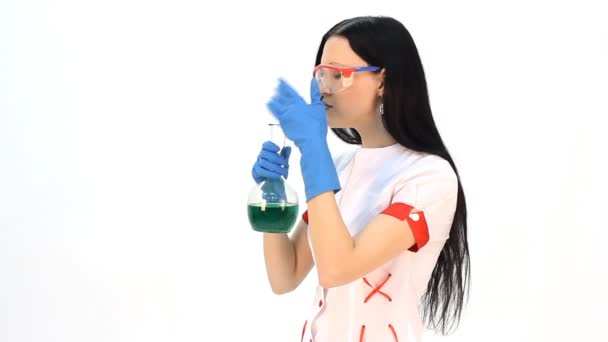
<point x="356" y="105"/>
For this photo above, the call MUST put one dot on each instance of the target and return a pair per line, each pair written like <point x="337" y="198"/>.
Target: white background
<point x="128" y="130"/>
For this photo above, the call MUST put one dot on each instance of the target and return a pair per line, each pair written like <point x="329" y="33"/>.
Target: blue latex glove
<point x="270" y="164"/>
<point x="306" y="125"/>
<point x="269" y="167"/>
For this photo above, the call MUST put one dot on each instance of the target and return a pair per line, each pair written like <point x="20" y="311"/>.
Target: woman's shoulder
<point x="427" y="172"/>
<point x="435" y="165"/>
<point x="425" y="164"/>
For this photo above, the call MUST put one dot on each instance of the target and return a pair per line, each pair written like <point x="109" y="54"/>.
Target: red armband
<point x="305" y="216"/>
<point x="416" y="220"/>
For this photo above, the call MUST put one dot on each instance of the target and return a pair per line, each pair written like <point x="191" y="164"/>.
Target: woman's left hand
<point x="303" y="123"/>
<point x="306" y="125"/>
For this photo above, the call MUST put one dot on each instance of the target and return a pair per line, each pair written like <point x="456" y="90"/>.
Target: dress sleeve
<point x="428" y="202"/>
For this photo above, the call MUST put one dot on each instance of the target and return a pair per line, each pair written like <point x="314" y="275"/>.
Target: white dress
<point x="383" y="305"/>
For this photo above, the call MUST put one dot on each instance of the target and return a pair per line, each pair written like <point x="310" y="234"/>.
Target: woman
<point x="386" y="223"/>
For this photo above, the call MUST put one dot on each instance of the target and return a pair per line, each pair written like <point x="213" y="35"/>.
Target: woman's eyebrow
<point x="339" y="64"/>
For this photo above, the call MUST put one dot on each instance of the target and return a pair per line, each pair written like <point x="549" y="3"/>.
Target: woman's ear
<point x="381" y="85"/>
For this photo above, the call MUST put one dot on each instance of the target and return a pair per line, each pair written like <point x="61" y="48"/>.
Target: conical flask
<point x="272" y="206"/>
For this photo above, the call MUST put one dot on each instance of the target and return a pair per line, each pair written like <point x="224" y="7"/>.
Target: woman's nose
<point x="324" y="90"/>
<point x="325" y="96"/>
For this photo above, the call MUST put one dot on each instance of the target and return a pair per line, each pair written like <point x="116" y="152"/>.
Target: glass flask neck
<point x="276" y="135"/>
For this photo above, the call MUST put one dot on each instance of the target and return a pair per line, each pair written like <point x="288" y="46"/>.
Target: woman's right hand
<point x="270" y="163"/>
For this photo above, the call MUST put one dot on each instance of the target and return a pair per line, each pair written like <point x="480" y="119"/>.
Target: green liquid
<point x="275" y="218"/>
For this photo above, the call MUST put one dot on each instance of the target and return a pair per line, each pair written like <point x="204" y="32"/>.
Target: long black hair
<point x="386" y="43"/>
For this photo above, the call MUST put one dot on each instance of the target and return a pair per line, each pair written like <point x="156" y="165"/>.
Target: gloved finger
<point x="286" y="152"/>
<point x="285" y="89"/>
<point x="261" y="173"/>
<point x="276" y="109"/>
<point x="282" y="99"/>
<point x="272" y="157"/>
<point x="270" y="146"/>
<point x="285" y="172"/>
<point x="258" y="173"/>
<point x="315" y="92"/>
<point x="272" y="167"/>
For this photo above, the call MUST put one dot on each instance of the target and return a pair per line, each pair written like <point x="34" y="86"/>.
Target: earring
<point x="381" y="109"/>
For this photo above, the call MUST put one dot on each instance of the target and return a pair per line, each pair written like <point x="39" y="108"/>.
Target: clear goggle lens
<point x="332" y="80"/>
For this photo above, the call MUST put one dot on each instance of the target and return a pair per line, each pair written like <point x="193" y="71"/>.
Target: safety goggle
<point x="334" y="79"/>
